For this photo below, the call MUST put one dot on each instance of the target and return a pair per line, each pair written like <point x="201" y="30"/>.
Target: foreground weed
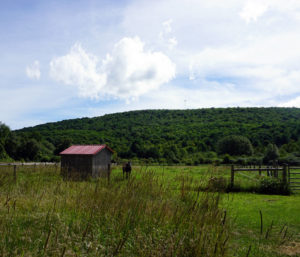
<point x="42" y="215"/>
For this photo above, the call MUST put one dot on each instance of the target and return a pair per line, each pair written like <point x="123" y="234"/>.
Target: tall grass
<point x="42" y="215"/>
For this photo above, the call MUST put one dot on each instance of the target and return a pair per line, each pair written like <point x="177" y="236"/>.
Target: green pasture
<point x="159" y="211"/>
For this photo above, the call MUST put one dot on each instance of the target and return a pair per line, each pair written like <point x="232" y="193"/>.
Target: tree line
<point x="167" y="136"/>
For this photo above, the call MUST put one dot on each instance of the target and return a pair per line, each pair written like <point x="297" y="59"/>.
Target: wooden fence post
<point x="259" y="170"/>
<point x="284" y="174"/>
<point x="271" y="171"/>
<point x="108" y="173"/>
<point x="232" y="176"/>
<point x="15" y="173"/>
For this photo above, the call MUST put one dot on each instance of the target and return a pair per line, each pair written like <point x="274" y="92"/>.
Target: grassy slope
<point x="41" y="205"/>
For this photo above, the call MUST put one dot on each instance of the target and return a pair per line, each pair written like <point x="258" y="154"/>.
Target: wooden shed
<point x="86" y="160"/>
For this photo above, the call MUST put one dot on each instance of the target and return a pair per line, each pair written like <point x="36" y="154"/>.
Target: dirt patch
<point x="292" y="249"/>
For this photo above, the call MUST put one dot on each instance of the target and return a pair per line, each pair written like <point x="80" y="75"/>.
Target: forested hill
<point x="176" y="134"/>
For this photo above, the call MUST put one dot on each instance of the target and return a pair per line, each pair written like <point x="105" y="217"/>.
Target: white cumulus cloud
<point x="78" y="68"/>
<point x="33" y="70"/>
<point x="127" y="72"/>
<point x="253" y="10"/>
<point x="253" y="65"/>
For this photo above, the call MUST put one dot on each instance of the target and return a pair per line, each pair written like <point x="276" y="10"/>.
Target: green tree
<point x="272" y="153"/>
<point x="11" y="146"/>
<point x="4" y="135"/>
<point x="32" y="149"/>
<point x="62" y="145"/>
<point x="3" y="154"/>
<point x="235" y="145"/>
<point x="29" y="150"/>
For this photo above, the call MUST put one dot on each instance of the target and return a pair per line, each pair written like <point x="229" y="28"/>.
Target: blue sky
<point x="70" y="59"/>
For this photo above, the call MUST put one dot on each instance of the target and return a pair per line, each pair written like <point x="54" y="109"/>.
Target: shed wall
<point x="101" y="163"/>
<point x="81" y="165"/>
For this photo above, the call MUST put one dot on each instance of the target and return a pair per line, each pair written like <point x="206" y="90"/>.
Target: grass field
<point x="160" y="211"/>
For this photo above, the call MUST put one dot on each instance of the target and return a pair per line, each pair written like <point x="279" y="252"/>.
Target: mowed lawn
<point x="256" y="225"/>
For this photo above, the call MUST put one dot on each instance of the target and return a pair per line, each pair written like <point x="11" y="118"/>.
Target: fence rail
<point x="273" y="171"/>
<point x="14" y="165"/>
<point x="258" y="169"/>
<point x="28" y="163"/>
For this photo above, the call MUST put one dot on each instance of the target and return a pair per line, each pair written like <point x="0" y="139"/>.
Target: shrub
<point x="255" y="160"/>
<point x="189" y="162"/>
<point x="55" y="159"/>
<point x="241" y="161"/>
<point x="217" y="162"/>
<point x="273" y="186"/>
<point x="290" y="159"/>
<point x="45" y="158"/>
<point x="210" y="155"/>
<point x="227" y="159"/>
<point x="217" y="184"/>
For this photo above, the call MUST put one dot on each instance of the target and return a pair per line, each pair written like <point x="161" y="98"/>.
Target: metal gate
<point x="294" y="178"/>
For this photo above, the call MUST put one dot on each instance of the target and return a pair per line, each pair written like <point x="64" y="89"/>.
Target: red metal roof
<point x="85" y="149"/>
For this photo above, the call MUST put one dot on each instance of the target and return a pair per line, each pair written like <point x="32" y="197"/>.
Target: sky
<point x="63" y="59"/>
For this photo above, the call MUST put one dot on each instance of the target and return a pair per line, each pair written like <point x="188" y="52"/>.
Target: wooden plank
<point x="242" y="174"/>
<point x="262" y="169"/>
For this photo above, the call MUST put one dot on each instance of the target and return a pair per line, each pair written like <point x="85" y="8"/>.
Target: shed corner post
<point x="232" y="176"/>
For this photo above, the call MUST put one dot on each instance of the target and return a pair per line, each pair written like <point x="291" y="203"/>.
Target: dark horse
<point x="127" y="169"/>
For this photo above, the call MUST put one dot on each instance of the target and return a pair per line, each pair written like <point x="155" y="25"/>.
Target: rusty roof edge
<point x="104" y="146"/>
